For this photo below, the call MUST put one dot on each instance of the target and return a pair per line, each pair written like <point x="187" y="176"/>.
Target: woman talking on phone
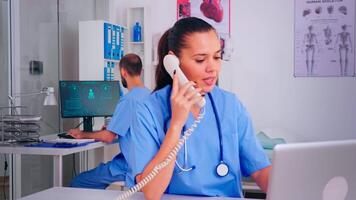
<point x="221" y="149"/>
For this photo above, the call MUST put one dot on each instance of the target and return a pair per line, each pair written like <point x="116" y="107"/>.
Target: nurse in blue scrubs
<point x="221" y="149"/>
<point x="102" y="176"/>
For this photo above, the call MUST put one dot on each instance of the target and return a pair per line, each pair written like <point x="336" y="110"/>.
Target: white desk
<point x="60" y="193"/>
<point x="15" y="152"/>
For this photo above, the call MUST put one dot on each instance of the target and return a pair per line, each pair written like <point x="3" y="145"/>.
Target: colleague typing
<point x="115" y="170"/>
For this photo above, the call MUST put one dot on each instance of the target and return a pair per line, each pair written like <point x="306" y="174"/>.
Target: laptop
<point x="314" y="171"/>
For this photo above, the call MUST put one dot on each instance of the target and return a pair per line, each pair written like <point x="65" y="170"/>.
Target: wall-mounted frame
<point x="216" y="13"/>
<point x="324" y="38"/>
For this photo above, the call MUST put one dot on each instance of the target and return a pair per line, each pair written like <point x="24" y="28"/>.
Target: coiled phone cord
<point x="166" y="162"/>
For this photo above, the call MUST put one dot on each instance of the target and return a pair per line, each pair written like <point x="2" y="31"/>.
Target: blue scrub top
<point x="242" y="153"/>
<point x="120" y="123"/>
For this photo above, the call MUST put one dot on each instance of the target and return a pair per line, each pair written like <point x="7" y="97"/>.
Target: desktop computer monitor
<point x="88" y="99"/>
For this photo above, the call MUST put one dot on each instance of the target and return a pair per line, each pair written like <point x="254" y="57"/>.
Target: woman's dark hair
<point x="174" y="39"/>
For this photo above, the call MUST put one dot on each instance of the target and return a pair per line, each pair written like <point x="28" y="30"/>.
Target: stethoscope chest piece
<point x="222" y="169"/>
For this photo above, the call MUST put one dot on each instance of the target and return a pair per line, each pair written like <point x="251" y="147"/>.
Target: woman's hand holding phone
<point x="182" y="101"/>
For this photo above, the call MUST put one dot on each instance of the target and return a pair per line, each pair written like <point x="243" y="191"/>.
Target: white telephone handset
<point x="171" y="63"/>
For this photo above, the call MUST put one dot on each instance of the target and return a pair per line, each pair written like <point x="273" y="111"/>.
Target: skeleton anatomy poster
<point x="324" y="38"/>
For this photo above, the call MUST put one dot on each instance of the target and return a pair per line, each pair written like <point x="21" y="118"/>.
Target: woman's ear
<point x="171" y="53"/>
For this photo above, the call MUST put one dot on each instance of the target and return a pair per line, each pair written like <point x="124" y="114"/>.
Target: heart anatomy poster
<point x="324" y="39"/>
<point x="215" y="12"/>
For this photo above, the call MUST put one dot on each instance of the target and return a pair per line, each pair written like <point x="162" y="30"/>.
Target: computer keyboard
<point x="72" y="141"/>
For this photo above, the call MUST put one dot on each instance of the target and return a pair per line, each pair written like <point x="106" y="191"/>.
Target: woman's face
<point x="200" y="61"/>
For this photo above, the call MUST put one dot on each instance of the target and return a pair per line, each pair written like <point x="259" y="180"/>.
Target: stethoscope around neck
<point x="222" y="169"/>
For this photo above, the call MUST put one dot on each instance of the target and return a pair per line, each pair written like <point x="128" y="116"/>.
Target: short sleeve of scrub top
<point x="119" y="122"/>
<point x="252" y="155"/>
<point x="125" y="110"/>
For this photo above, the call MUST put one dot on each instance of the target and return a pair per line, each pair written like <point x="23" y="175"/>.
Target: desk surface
<point x="20" y="149"/>
<point x="60" y="193"/>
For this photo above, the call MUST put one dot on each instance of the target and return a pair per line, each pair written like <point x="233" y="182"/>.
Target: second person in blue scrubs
<point x="224" y="135"/>
<point x="115" y="170"/>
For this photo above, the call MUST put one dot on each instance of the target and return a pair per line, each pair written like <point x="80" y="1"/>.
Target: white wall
<point x="69" y="16"/>
<point x="311" y="108"/>
<point x="261" y="73"/>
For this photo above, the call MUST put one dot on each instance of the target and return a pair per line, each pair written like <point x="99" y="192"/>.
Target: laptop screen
<point x="316" y="171"/>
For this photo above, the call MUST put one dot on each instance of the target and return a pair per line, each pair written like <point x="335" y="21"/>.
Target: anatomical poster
<point x="215" y="12"/>
<point x="324" y="39"/>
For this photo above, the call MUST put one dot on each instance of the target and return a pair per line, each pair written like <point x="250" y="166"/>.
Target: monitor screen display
<point x="88" y="98"/>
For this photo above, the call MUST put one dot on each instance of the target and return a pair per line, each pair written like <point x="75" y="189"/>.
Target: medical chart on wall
<point x="215" y="12"/>
<point x="324" y="40"/>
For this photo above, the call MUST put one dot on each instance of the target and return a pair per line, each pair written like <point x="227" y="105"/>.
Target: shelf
<point x="136" y="42"/>
<point x="110" y="60"/>
<point x="139" y="13"/>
